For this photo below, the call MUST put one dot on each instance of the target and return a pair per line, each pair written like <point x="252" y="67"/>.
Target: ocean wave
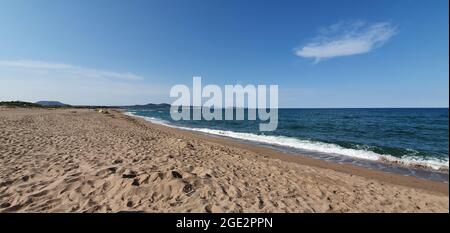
<point x="406" y="160"/>
<point x="150" y="119"/>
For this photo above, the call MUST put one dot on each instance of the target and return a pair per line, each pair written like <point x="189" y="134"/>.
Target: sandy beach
<point x="78" y="160"/>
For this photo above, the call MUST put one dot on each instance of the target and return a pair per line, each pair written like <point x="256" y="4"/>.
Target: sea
<point x="409" y="141"/>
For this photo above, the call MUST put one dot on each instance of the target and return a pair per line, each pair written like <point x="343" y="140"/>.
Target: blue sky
<point x="320" y="53"/>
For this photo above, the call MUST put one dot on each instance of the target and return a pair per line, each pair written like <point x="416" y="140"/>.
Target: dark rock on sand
<point x="176" y="175"/>
<point x="129" y="175"/>
<point x="188" y="188"/>
<point x="117" y="161"/>
<point x="135" y="182"/>
<point x="25" y="178"/>
<point x="112" y="169"/>
<point x="129" y="204"/>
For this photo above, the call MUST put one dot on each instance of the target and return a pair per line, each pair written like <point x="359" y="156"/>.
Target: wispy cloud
<point x="76" y="70"/>
<point x="31" y="80"/>
<point x="345" y="39"/>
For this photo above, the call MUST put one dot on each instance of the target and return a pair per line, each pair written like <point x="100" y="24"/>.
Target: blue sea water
<point x="410" y="137"/>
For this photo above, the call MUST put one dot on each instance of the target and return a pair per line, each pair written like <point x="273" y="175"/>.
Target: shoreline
<point x="393" y="178"/>
<point x="80" y="160"/>
<point x="430" y="169"/>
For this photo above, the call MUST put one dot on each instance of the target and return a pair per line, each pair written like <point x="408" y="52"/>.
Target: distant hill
<point x="163" y="105"/>
<point x="158" y="105"/>
<point x="51" y="103"/>
<point x="19" y="104"/>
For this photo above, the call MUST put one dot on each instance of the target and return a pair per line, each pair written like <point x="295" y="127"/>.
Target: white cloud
<point x="77" y="70"/>
<point x="345" y="39"/>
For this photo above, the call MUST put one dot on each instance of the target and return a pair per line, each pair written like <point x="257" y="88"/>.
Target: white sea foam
<point x="328" y="148"/>
<point x="151" y="119"/>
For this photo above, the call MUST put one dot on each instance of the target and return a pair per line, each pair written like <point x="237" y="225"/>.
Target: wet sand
<point x="76" y="160"/>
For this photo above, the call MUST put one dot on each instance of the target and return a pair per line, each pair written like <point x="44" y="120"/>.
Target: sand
<point x="77" y="160"/>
